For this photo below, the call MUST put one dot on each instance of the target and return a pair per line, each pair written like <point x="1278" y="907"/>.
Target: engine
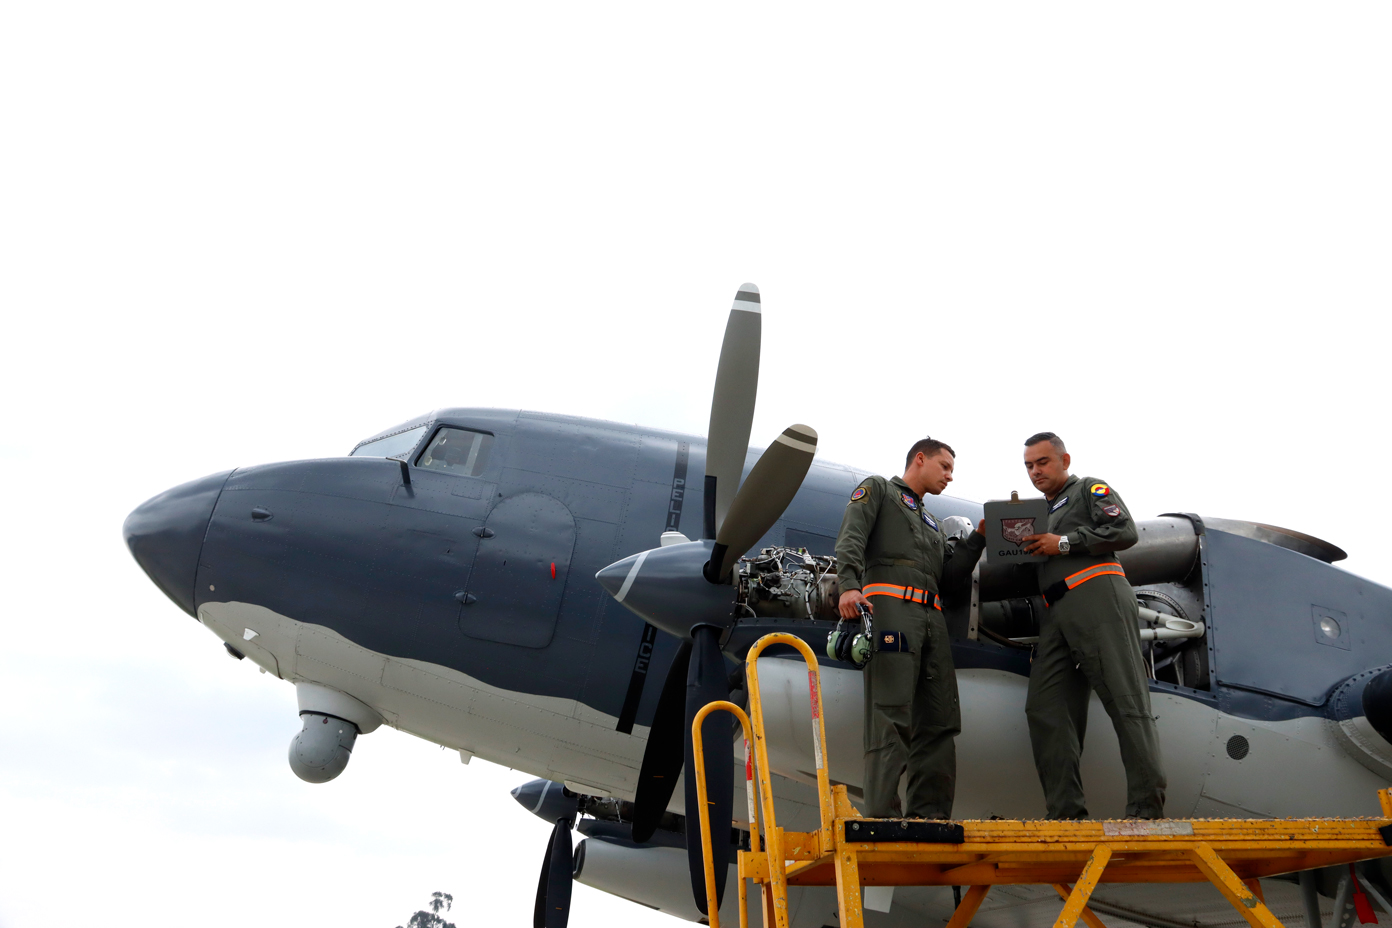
<point x="788" y="583"/>
<point x="782" y="585"/>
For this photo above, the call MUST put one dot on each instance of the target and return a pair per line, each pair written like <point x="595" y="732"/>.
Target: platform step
<point x="911" y="830"/>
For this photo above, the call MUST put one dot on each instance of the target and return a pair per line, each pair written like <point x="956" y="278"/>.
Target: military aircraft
<point x="520" y="587"/>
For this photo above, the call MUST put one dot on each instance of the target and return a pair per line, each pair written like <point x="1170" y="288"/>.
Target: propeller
<point x="665" y="586"/>
<point x="665" y="753"/>
<point x="732" y="406"/>
<point x="553" y="889"/>
<point x="771" y="486"/>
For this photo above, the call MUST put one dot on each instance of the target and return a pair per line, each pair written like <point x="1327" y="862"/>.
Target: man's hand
<point x="850" y="602"/>
<point x="981" y="527"/>
<point x="1042" y="544"/>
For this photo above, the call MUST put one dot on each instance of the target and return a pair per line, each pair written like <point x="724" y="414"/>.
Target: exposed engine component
<point x="1172" y="653"/>
<point x="332" y="723"/>
<point x="1162" y="628"/>
<point x="788" y="583"/>
<point x="322" y="748"/>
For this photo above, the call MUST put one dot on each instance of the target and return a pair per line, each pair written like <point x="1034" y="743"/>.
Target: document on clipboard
<point x="1008" y="523"/>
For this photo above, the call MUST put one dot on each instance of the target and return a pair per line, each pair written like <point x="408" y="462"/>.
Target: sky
<point x="236" y="234"/>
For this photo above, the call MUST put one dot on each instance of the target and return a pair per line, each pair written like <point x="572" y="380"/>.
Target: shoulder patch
<point x="909" y="500"/>
<point x="858" y="494"/>
<point x="1111" y="511"/>
<point x="1100" y="490"/>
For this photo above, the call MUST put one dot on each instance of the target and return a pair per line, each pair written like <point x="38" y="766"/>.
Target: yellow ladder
<point x="849" y="851"/>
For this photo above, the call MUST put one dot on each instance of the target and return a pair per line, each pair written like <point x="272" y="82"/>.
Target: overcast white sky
<point x="233" y="234"/>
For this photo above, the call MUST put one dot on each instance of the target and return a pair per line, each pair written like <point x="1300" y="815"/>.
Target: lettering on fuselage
<point x="636" y="680"/>
<point x="674" y="504"/>
<point x="645" y="646"/>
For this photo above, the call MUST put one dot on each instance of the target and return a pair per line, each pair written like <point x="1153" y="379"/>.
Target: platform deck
<point x="1073" y="857"/>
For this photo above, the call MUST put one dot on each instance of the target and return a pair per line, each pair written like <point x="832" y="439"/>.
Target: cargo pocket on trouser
<point x="1111" y="678"/>
<point x="1091" y="666"/>
<point x="889" y="679"/>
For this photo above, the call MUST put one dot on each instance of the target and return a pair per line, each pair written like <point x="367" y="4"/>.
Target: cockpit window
<point x="457" y="451"/>
<point x="392" y="446"/>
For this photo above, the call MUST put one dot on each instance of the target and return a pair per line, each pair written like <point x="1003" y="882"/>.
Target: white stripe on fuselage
<point x="1292" y="768"/>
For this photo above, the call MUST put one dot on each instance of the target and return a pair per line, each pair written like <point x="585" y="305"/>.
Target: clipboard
<point x="1009" y="522"/>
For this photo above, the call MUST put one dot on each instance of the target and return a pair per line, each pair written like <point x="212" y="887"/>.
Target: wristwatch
<point x="1063" y="544"/>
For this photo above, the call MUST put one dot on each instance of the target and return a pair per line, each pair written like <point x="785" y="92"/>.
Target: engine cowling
<point x="1362" y="708"/>
<point x="653" y="876"/>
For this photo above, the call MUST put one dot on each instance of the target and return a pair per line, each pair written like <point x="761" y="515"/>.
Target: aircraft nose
<point x="165" y="535"/>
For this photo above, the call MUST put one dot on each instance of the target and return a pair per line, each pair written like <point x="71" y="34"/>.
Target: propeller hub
<point x="667" y="587"/>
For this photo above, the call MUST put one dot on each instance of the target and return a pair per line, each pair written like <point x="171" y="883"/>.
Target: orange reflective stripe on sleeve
<point x="1096" y="570"/>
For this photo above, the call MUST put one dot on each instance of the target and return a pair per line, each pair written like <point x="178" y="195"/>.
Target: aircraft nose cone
<point x="165" y="535"/>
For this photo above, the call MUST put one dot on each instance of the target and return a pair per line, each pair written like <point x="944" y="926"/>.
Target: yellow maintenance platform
<point x="848" y="851"/>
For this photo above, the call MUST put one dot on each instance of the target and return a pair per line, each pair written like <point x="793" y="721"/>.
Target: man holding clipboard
<point x="1088" y="639"/>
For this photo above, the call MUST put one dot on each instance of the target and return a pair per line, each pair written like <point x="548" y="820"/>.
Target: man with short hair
<point x="1088" y="639"/>
<point x="894" y="558"/>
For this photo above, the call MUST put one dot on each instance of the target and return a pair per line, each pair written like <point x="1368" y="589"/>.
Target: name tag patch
<point x="909" y="500"/>
<point x="890" y="641"/>
<point x="928" y="520"/>
<point x="1059" y="505"/>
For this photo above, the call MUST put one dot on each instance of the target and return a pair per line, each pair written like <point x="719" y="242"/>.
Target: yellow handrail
<point x="756" y="715"/>
<point x="757" y="761"/>
<point x="698" y="759"/>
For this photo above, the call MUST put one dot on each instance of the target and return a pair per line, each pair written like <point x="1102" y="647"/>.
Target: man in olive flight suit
<point x="1088" y="639"/>
<point x="892" y="556"/>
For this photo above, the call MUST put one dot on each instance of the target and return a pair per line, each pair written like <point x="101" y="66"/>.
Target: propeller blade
<point x="771" y="486"/>
<point x="706" y="681"/>
<point x="662" y="758"/>
<point x="539" y="910"/>
<point x="553" y="890"/>
<point x="732" y="406"/>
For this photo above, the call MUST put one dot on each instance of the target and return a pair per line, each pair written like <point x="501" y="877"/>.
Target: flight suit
<point x="893" y="551"/>
<point x="1089" y="639"/>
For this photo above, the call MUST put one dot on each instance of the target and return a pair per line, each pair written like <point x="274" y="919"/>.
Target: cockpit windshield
<point x="458" y="451"/>
<point x="393" y="446"/>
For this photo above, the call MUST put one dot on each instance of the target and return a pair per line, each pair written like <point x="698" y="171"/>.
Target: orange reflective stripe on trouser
<point x="912" y="594"/>
<point x="1056" y="591"/>
<point x="1096" y="570"/>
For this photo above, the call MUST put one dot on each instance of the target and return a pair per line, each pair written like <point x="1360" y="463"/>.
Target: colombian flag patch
<point x="1100" y="490"/>
<point x="858" y="494"/>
